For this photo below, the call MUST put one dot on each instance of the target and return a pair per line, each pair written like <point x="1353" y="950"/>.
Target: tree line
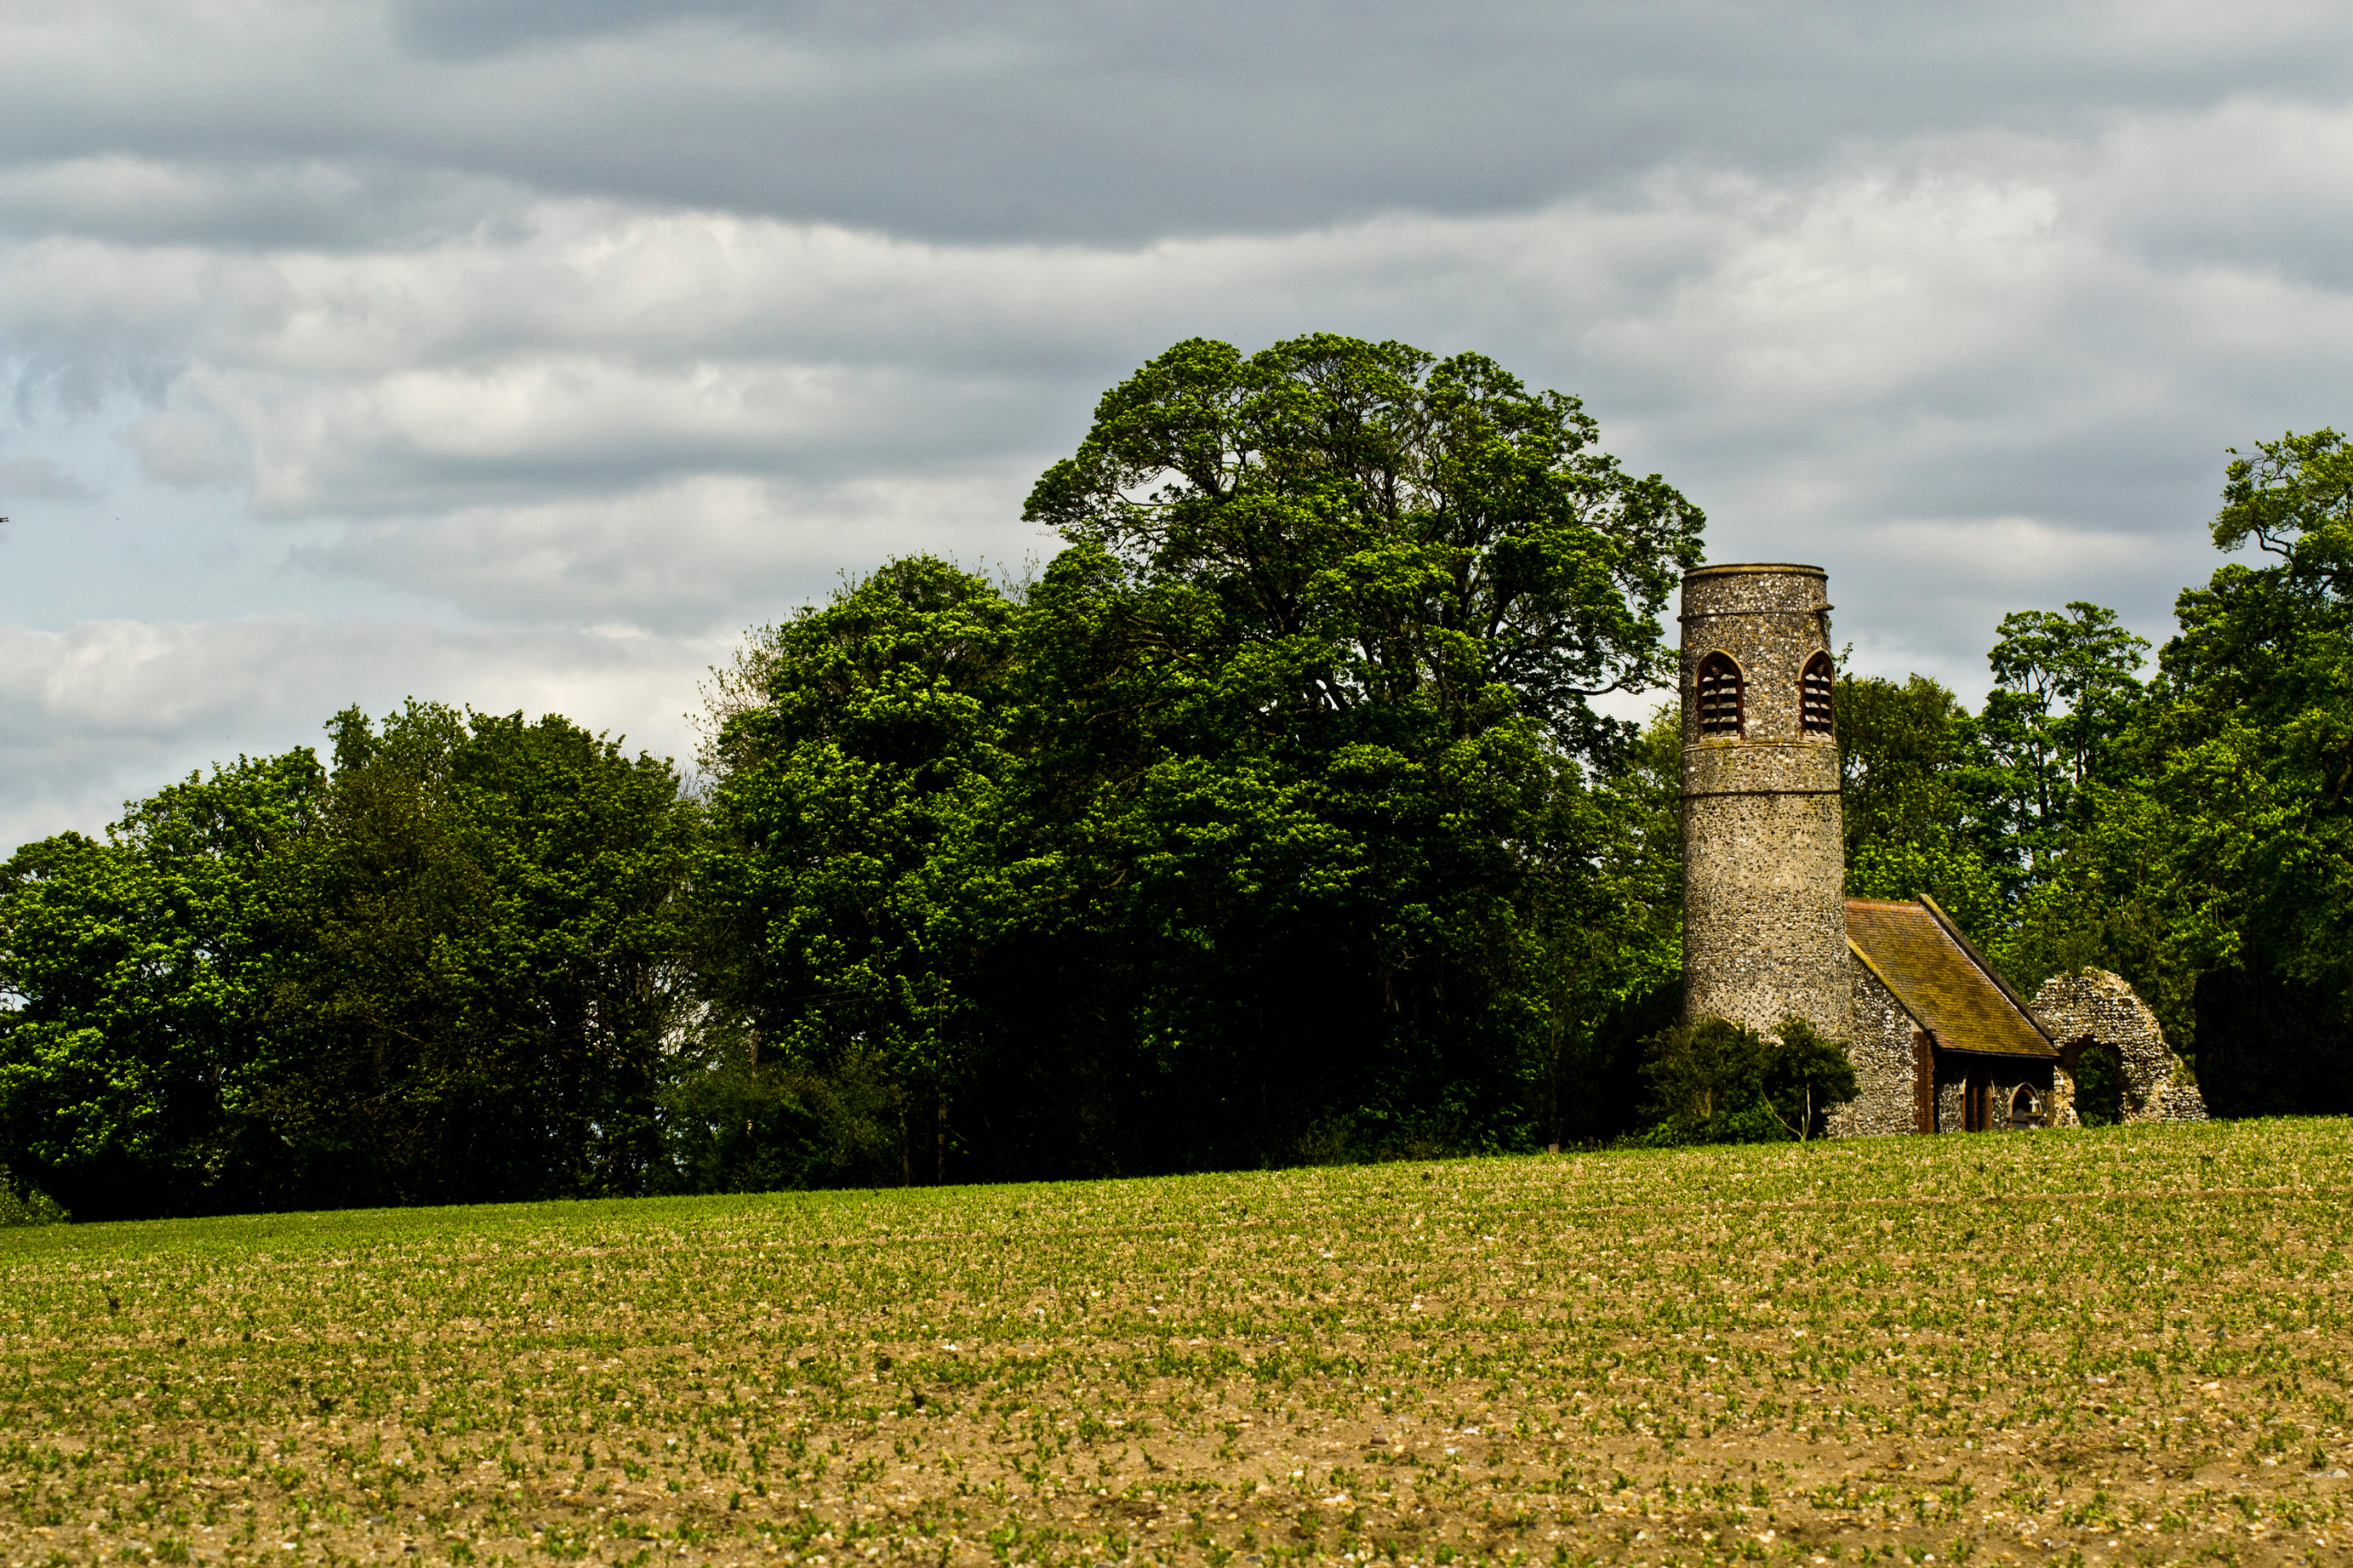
<point x="1273" y="820"/>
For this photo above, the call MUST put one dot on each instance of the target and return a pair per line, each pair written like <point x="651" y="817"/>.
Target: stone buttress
<point x="1765" y="933"/>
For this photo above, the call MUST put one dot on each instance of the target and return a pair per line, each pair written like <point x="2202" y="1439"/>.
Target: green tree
<point x="1900" y="746"/>
<point x="1606" y="948"/>
<point x="447" y="969"/>
<point x="1913" y="798"/>
<point x="494" y="952"/>
<point x="1377" y="528"/>
<point x="2190" y="834"/>
<point x="1705" y="1081"/>
<point x="134" y="1060"/>
<point x="2033" y="821"/>
<point x="858" y="749"/>
<point x="737" y="1122"/>
<point x="1319" y="665"/>
<point x="2255" y="775"/>
<point x="2056" y="723"/>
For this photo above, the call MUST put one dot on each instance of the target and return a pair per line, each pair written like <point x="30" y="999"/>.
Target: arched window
<point x="1814" y="688"/>
<point x="2026" y="1107"/>
<point x="1719" y="695"/>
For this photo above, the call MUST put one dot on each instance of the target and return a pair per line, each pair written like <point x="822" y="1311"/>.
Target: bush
<point x="27" y="1207"/>
<point x="1715" y="1081"/>
<point x="1805" y="1074"/>
<point x="735" y="1123"/>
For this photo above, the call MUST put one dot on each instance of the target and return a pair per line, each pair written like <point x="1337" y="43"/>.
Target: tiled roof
<point x="1940" y="982"/>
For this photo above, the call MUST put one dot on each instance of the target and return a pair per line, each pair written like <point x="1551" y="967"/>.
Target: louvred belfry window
<point x="1719" y="695"/>
<point x="1814" y="688"/>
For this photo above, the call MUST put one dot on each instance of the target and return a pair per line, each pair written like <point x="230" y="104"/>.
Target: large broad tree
<point x="1275" y="815"/>
<point x="1380" y="529"/>
<point x="1313" y="699"/>
<point x="491" y="960"/>
<point x="855" y="748"/>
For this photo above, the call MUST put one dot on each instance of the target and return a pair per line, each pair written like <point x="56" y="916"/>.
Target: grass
<point x="2079" y="1348"/>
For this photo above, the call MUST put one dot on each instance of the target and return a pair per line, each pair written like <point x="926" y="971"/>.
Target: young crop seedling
<point x="2137" y="1354"/>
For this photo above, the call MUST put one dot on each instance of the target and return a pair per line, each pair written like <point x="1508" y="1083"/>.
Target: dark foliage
<point x="1274" y="821"/>
<point x="2272" y="1045"/>
<point x="1607" y="1096"/>
<point x="2099" y="1075"/>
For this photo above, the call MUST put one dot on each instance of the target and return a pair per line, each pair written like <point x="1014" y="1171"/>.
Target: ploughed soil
<point x="2075" y="1348"/>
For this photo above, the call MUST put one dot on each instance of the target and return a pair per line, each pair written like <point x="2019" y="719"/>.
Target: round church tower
<point x="1763" y="849"/>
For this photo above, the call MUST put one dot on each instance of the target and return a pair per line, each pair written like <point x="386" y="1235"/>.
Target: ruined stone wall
<point x="1879" y="1042"/>
<point x="1763" y="849"/>
<point x="2063" y="1099"/>
<point x="2095" y="1005"/>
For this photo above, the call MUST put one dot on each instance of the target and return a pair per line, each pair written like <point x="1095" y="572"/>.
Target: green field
<point x="2125" y="1346"/>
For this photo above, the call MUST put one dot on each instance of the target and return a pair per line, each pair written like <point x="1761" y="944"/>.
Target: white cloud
<point x="703" y="551"/>
<point x="189" y="449"/>
<point x="107" y="711"/>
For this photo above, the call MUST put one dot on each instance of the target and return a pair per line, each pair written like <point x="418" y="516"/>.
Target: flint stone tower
<point x="1765" y="933"/>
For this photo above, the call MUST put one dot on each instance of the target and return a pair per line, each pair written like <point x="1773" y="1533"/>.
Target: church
<point x="1940" y="1040"/>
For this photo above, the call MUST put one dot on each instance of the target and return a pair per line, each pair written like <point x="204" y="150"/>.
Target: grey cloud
<point x="1114" y="122"/>
<point x="2252" y="184"/>
<point x="354" y="202"/>
<point x="528" y="430"/>
<point x="35" y="477"/>
<point x="713" y="551"/>
<point x="455" y="29"/>
<point x="602" y="414"/>
<point x="521" y="319"/>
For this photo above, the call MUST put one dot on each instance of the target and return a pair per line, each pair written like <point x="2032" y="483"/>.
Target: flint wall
<point x="1879" y="1044"/>
<point x="1764" y="847"/>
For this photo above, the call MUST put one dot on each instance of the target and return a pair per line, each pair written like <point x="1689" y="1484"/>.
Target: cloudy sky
<point x="525" y="354"/>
